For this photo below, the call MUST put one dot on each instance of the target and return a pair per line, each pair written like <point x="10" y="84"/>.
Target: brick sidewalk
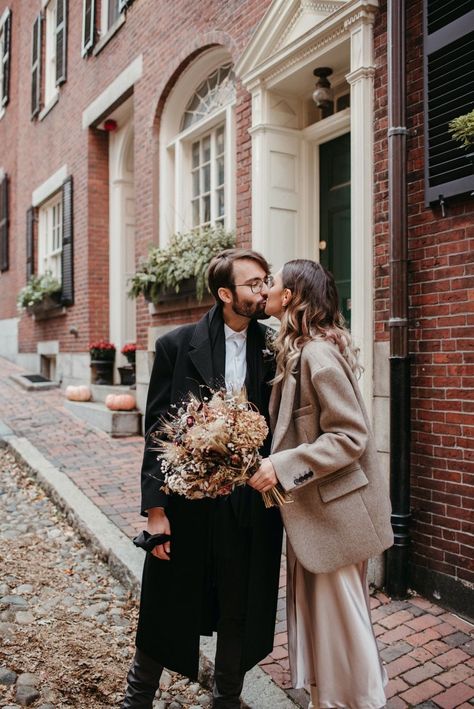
<point x="428" y="651"/>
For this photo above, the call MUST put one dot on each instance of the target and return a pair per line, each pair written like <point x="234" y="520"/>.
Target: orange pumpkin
<point x="120" y="402"/>
<point x="78" y="393"/>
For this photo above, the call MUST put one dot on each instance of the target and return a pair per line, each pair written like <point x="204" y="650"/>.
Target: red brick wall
<point x="9" y="280"/>
<point x="168" y="35"/>
<point x="441" y="298"/>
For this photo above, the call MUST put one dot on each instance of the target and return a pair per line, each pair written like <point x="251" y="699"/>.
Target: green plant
<point x="36" y="290"/>
<point x="186" y="256"/>
<point x="462" y="129"/>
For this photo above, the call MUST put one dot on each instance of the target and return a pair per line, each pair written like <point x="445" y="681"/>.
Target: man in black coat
<point x="220" y="568"/>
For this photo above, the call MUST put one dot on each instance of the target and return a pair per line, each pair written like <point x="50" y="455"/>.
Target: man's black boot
<point x="227" y="690"/>
<point x="143" y="681"/>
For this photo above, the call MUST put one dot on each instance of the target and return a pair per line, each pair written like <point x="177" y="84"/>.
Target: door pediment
<point x="284" y="22"/>
<point x="291" y="30"/>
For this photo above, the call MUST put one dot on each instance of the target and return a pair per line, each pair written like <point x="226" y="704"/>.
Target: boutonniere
<point x="268" y="351"/>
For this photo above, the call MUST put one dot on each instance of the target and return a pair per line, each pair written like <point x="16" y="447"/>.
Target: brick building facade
<point x="137" y="66"/>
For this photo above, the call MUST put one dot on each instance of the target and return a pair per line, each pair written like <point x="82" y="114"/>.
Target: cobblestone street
<point x="68" y="622"/>
<point x="66" y="625"/>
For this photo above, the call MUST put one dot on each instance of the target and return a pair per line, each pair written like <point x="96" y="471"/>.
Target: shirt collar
<point x="233" y="335"/>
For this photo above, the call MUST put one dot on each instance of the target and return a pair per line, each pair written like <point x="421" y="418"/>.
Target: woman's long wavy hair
<point x="313" y="311"/>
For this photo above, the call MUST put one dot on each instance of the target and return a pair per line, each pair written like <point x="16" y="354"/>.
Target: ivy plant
<point x="186" y="256"/>
<point x="36" y="290"/>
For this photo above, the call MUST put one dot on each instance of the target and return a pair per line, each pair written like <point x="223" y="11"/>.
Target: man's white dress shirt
<point x="235" y="358"/>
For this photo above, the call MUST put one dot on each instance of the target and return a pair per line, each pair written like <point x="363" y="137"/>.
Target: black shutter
<point x="61" y="41"/>
<point x="67" y="295"/>
<point x="449" y="93"/>
<point x="4" y="224"/>
<point x="88" y="26"/>
<point x="5" y="59"/>
<point x="30" y="243"/>
<point x="123" y="4"/>
<point x="36" y="68"/>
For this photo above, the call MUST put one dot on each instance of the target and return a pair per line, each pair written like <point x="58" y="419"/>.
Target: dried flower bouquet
<point x="209" y="447"/>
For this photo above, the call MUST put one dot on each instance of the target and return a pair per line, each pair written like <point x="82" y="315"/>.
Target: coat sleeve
<point x="343" y="437"/>
<point x="158" y="404"/>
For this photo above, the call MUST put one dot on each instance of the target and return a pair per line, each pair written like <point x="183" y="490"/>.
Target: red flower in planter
<point x="129" y="351"/>
<point x="102" y="350"/>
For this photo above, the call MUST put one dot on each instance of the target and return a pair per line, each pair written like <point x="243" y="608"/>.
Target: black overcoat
<point x="176" y="603"/>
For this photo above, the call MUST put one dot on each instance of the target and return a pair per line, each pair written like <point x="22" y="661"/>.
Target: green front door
<point x="335" y="215"/>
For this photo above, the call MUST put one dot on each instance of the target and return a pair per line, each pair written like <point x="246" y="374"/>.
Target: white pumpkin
<point x="78" y="393"/>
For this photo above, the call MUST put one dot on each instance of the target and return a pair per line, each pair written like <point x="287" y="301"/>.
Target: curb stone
<point x="126" y="561"/>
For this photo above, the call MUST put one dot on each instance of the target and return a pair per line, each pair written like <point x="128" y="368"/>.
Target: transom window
<point x="215" y="92"/>
<point x="208" y="178"/>
<point x="50" y="237"/>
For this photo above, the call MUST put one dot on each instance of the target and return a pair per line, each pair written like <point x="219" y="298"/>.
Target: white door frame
<point x="122" y="310"/>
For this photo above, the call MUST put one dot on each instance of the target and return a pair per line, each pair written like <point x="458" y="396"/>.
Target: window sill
<point x="108" y="35"/>
<point x="44" y="112"/>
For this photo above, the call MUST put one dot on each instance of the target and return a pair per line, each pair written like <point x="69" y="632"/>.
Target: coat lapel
<point x="283" y="417"/>
<point x="207" y="348"/>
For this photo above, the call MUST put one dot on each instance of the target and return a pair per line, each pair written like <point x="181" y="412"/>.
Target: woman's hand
<point x="265" y="477"/>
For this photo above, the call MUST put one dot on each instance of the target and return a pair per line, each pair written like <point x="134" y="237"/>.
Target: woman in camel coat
<point x="324" y="455"/>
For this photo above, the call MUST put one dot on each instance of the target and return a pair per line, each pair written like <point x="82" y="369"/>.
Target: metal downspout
<point x="397" y="567"/>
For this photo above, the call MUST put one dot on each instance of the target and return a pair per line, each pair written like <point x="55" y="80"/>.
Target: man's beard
<point x="249" y="309"/>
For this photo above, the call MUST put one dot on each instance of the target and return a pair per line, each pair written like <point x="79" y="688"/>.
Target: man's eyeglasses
<point x="256" y="286"/>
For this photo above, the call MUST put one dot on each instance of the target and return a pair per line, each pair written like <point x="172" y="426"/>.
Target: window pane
<point x="220" y="140"/>
<point x="195" y="152"/>
<point x="206" y="203"/>
<point x="196" y="218"/>
<point x="195" y="183"/>
<point x="206" y="178"/>
<point x="206" y="149"/>
<point x="220" y="202"/>
<point x="113" y="12"/>
<point x="220" y="171"/>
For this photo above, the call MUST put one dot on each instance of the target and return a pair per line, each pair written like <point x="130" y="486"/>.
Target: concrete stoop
<point x="116" y="423"/>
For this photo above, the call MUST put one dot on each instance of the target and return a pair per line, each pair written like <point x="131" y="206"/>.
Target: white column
<point x="361" y="82"/>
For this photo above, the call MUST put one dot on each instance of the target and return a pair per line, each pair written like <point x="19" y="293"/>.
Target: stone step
<point x="100" y="391"/>
<point x="116" y="423"/>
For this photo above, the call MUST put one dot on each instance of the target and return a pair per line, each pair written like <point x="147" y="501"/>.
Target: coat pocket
<point x="342" y="483"/>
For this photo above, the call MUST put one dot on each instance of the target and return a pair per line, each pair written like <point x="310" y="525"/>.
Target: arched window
<point x="197" y="163"/>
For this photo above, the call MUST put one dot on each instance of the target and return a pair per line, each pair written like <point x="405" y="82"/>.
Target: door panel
<point x="335" y="216"/>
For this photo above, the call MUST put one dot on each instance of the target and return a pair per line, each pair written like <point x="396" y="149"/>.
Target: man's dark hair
<point x="220" y="273"/>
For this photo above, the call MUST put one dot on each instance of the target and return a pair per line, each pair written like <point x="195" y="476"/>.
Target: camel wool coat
<point x="324" y="454"/>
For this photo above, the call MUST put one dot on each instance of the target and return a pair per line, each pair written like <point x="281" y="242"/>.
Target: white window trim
<point x="46" y="252"/>
<point x="175" y="202"/>
<point x="51" y="91"/>
<point x="49" y="187"/>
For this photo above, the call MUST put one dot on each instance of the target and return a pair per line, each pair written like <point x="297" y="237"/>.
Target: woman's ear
<point x="225" y="295"/>
<point x="286" y="296"/>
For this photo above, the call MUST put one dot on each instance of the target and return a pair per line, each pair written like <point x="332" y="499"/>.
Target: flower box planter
<point x="187" y="289"/>
<point x="50" y="305"/>
<point x="102" y="371"/>
<point x="127" y="374"/>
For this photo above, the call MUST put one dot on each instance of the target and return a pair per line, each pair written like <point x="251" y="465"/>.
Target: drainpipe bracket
<point x="398" y="130"/>
<point x="398" y="322"/>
